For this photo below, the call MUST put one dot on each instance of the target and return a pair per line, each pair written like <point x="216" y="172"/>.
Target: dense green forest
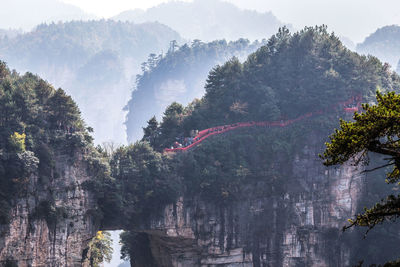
<point x="178" y="76"/>
<point x="384" y="43"/>
<point x="311" y="65"/>
<point x="91" y="61"/>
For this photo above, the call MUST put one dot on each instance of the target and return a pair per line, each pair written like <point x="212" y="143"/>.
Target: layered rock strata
<point x="298" y="227"/>
<point x="51" y="225"/>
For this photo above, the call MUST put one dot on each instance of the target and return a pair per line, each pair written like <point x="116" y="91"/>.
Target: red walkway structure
<point x="350" y="106"/>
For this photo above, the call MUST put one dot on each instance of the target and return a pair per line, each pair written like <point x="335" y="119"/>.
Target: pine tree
<point x="151" y="132"/>
<point x="376" y="130"/>
<point x="65" y="112"/>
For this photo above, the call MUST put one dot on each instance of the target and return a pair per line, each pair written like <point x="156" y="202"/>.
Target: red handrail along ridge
<point x="350" y="106"/>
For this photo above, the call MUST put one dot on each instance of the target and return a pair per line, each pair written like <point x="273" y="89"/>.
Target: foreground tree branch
<point x="376" y="129"/>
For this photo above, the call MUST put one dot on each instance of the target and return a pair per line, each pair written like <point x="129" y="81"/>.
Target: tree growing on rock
<point x="375" y="130"/>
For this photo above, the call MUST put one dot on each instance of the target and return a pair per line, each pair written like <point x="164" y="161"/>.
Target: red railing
<point x="204" y="134"/>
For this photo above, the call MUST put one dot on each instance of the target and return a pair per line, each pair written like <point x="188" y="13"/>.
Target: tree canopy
<point x="293" y="74"/>
<point x="100" y="249"/>
<point x="178" y="75"/>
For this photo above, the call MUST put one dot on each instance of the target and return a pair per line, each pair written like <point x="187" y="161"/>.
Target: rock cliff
<point x="51" y="224"/>
<point x="300" y="227"/>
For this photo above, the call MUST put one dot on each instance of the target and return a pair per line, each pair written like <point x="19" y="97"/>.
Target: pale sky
<point x="109" y="8"/>
<point x="355" y="19"/>
<point x="352" y="18"/>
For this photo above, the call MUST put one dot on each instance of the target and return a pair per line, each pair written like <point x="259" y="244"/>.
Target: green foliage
<point x="100" y="249"/>
<point x="136" y="248"/>
<point x="169" y="127"/>
<point x="177" y="76"/>
<point x="218" y="169"/>
<point x="47" y="210"/>
<point x="64" y="111"/>
<point x="17" y="141"/>
<point x="293" y="74"/>
<point x="375" y="130"/>
<point x="105" y="188"/>
<point x="151" y="131"/>
<point x="146" y="181"/>
<point x="36" y="122"/>
<point x="395" y="263"/>
<point x="10" y="263"/>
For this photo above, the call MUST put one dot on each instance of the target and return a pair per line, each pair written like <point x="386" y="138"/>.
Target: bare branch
<point x="380" y="167"/>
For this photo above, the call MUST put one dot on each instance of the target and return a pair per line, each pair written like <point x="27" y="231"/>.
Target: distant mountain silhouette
<point x="384" y="44"/>
<point x="26" y="14"/>
<point x="11" y="33"/>
<point x="94" y="61"/>
<point x="208" y="20"/>
<point x="179" y="76"/>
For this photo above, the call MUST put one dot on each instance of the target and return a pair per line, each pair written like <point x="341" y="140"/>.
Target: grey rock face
<point x="299" y="227"/>
<point x="296" y="225"/>
<point x="33" y="240"/>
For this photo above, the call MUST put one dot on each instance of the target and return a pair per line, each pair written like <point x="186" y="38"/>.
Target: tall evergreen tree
<point x="151" y="132"/>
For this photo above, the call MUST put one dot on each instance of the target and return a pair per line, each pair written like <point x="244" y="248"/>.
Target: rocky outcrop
<point x="297" y="226"/>
<point x="52" y="224"/>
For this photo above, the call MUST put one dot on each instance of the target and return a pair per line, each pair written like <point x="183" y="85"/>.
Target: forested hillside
<point x="47" y="162"/>
<point x="384" y="44"/>
<point x="269" y="85"/>
<point x="37" y="124"/>
<point x="208" y="20"/>
<point x="93" y="61"/>
<point x="180" y="76"/>
<point x="294" y="74"/>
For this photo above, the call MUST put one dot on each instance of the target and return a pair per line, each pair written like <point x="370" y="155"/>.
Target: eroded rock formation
<point x="299" y="225"/>
<point x="51" y="225"/>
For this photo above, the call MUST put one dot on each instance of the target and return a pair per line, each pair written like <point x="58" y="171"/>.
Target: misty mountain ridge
<point x="92" y="60"/>
<point x="9" y="33"/>
<point x="384" y="43"/>
<point x="179" y="76"/>
<point x="26" y="14"/>
<point x="208" y="20"/>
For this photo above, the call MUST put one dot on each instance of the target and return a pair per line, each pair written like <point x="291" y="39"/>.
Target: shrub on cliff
<point x="100" y="249"/>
